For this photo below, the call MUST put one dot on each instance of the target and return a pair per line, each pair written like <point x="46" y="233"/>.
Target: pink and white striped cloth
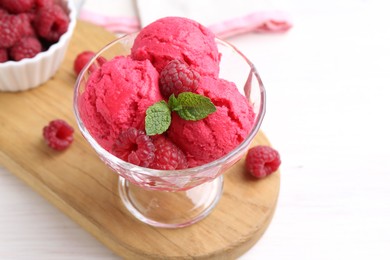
<point x="116" y="24"/>
<point x="259" y="22"/>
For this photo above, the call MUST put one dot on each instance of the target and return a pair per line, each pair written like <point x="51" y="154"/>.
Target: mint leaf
<point x="173" y="103"/>
<point x="158" y="118"/>
<point x="193" y="106"/>
<point x="188" y="105"/>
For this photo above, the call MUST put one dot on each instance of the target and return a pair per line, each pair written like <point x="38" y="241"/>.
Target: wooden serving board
<point x="80" y="185"/>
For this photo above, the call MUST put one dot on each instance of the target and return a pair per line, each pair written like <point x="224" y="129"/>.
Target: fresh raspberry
<point x="262" y="161"/>
<point x="135" y="147"/>
<point x="43" y="3"/>
<point x="26" y="48"/>
<point x="176" y="77"/>
<point x="11" y="30"/>
<point x="3" y="55"/>
<point x="27" y="28"/>
<point x="17" y="6"/>
<point x="3" y="12"/>
<point x="83" y="58"/>
<point x="51" y="22"/>
<point x="167" y="156"/>
<point x="58" y="134"/>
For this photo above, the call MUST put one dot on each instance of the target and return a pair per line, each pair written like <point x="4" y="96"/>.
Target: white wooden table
<point x="328" y="112"/>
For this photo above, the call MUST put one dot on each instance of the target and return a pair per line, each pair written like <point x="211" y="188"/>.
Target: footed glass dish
<point x="177" y="198"/>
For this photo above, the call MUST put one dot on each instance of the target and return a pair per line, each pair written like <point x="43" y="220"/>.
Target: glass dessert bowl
<point x="175" y="198"/>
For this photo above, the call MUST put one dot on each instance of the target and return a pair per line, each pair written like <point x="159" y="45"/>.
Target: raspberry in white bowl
<point x="34" y="36"/>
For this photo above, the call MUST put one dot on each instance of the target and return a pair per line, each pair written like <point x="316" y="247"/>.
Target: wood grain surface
<point x="80" y="185"/>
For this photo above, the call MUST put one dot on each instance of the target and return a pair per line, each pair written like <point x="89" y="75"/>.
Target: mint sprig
<point x="158" y="118"/>
<point x="187" y="105"/>
<point x="192" y="106"/>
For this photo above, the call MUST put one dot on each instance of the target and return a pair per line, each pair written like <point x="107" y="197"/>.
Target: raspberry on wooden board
<point x="81" y="60"/>
<point x="58" y="134"/>
<point x="262" y="161"/>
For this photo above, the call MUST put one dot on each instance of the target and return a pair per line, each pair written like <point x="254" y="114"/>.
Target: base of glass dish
<point x="171" y="209"/>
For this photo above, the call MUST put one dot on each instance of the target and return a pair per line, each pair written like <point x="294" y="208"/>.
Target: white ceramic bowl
<point x="32" y="72"/>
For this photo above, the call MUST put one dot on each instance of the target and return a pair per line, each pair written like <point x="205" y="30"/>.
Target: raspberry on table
<point x="167" y="155"/>
<point x="262" y="161"/>
<point x="11" y="30"/>
<point x="27" y="47"/>
<point x="134" y="146"/>
<point x="51" y="22"/>
<point x="17" y="6"/>
<point x="58" y="134"/>
<point x="3" y="55"/>
<point x="83" y="58"/>
<point x="176" y="77"/>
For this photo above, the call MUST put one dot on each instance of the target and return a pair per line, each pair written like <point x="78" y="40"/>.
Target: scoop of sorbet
<point x="178" y="38"/>
<point x="220" y="132"/>
<point x="116" y="98"/>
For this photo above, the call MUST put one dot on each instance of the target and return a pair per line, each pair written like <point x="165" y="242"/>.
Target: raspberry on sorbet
<point x="176" y="77"/>
<point x="135" y="147"/>
<point x="167" y="156"/>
